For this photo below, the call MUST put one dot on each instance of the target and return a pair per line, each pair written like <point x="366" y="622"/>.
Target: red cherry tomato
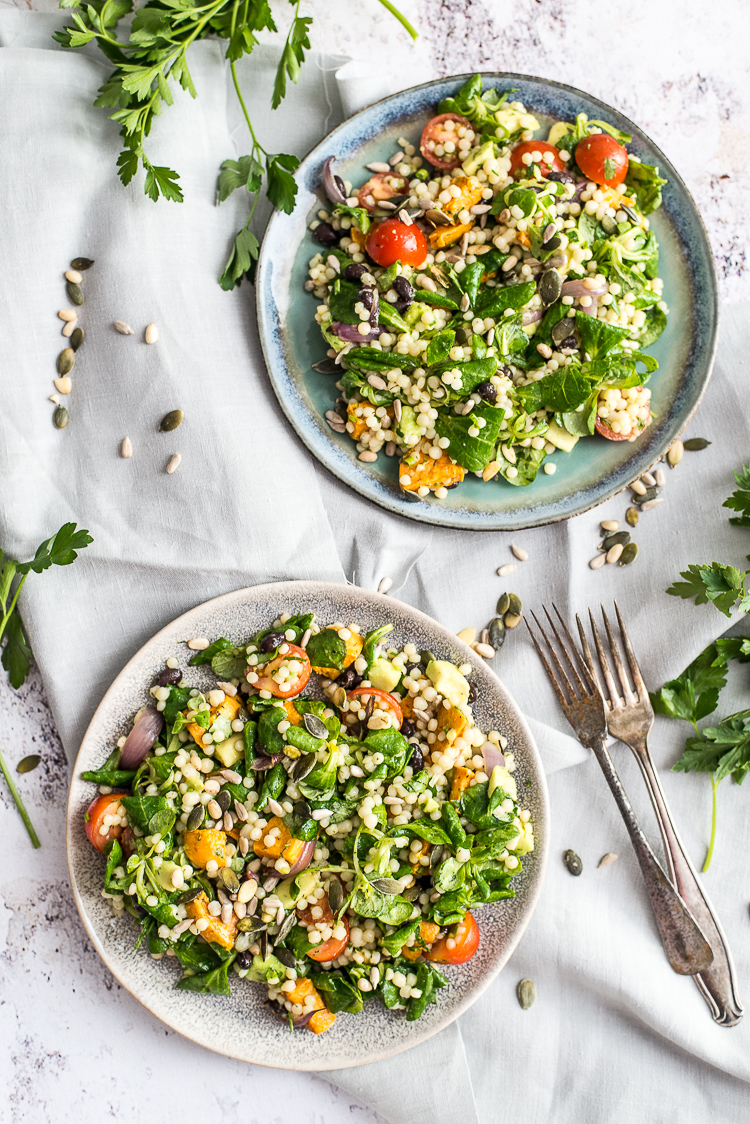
<point x="331" y="948"/>
<point x="600" y="154"/>
<point x="466" y="942"/>
<point x="435" y="133"/>
<point x="516" y="157"/>
<point x="382" y="186"/>
<point x="603" y="428"/>
<point x="293" y="686"/>
<point x="392" y="240"/>
<point x="383" y="701"/>
<point x="93" y="822"/>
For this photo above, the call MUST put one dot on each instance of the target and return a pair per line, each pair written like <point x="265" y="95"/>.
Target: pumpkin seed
<point x="306" y="763"/>
<point x="264" y="945"/>
<point x="608" y="859"/>
<point x="171" y="421"/>
<point x="515" y="605"/>
<point x="82" y="263"/>
<point x="503" y="604"/>
<point x="315" y="726"/>
<point x="335" y="895"/>
<point x="695" y="444"/>
<point x="224" y="799"/>
<point x="250" y="925"/>
<point x="387" y="885"/>
<point x="438" y="218"/>
<point x="229" y="879"/>
<point x="326" y="367"/>
<point x="526" y="992"/>
<point x="76" y="338"/>
<point x="60" y="418"/>
<point x="497" y="633"/>
<point x="339" y="697"/>
<point x="65" y="361"/>
<point x="647" y="496"/>
<point x="28" y="764"/>
<point x="609" y="226"/>
<point x="196" y="818"/>
<point x="426" y="657"/>
<point x="631" y="515"/>
<point x="75" y="292"/>
<point x="550" y="286"/>
<point x="552" y="244"/>
<point x="285" y="955"/>
<point x="189" y="895"/>
<point x="302" y="809"/>
<point x="573" y="862"/>
<point x="436" y="857"/>
<point x="412" y="893"/>
<point x="629" y="554"/>
<point x="622" y="537"/>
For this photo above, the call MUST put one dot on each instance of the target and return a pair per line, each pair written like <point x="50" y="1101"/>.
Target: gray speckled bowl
<point x="240" y="1026"/>
<point x="597" y="469"/>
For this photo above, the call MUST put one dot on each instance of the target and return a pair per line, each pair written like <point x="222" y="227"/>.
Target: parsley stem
<point x="401" y="18"/>
<point x="19" y="803"/>
<point x="8" y="613"/>
<point x="710" y="852"/>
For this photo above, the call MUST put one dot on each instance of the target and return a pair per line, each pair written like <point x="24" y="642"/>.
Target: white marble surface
<point x="682" y="74"/>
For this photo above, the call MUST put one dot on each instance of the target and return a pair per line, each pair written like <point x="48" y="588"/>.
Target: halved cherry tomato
<point x="435" y="133"/>
<point x="331" y="948"/>
<point x="604" y="429"/>
<point x="392" y="240"/>
<point x="295" y="686"/>
<point x="382" y="186"/>
<point x="383" y="701"/>
<point x="532" y="146"/>
<point x="465" y="936"/>
<point x="602" y="159"/>
<point x="100" y="807"/>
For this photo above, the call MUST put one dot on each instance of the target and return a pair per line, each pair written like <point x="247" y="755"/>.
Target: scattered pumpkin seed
<point x="28" y="764"/>
<point x="171" y="421"/>
<point x="77" y="338"/>
<point x="65" y="361"/>
<point x="60" y="418"/>
<point x="497" y="632"/>
<point x="550" y="286"/>
<point x="173" y="464"/>
<point x="126" y="449"/>
<point x="573" y="862"/>
<point x="286" y="927"/>
<point x="82" y="263"/>
<point x="629" y="554"/>
<point x="151" y="334"/>
<point x="315" y="726"/>
<point x="649" y="494"/>
<point x="608" y="859"/>
<point x="228" y="879"/>
<point x="436" y="856"/>
<point x="503" y="604"/>
<point x="190" y="895"/>
<point x="326" y="367"/>
<point x="306" y="763"/>
<point x="552" y="244"/>
<point x="196" y="818"/>
<point x="631" y="516"/>
<point x="621" y="537"/>
<point x="526" y="992"/>
<point x="695" y="444"/>
<point x="674" y="456"/>
<point x="412" y="893"/>
<point x="561" y="330"/>
<point x="335" y="895"/>
<point x="75" y="292"/>
<point x="515" y="604"/>
<point x="123" y="328"/>
<point x="609" y="226"/>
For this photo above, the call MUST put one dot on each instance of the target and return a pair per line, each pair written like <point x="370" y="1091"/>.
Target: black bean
<point x="404" y="289"/>
<point x="487" y="390"/>
<point x="408" y="729"/>
<point x="354" y="271"/>
<point x="505" y="372"/>
<point x="349" y="679"/>
<point x="570" y="342"/>
<point x="244" y="959"/>
<point x="268" y="643"/>
<point x="168" y="677"/>
<point x="560" y="177"/>
<point x="417" y="759"/>
<point x="401" y="305"/>
<point x="326" y="235"/>
<point x="339" y="184"/>
<point x="366" y="296"/>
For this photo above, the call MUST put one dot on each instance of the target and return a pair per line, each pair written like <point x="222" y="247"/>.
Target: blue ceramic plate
<point x="596" y="470"/>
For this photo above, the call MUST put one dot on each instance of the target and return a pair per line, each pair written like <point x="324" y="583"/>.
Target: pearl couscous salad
<point x="486" y="297"/>
<point x="330" y="847"/>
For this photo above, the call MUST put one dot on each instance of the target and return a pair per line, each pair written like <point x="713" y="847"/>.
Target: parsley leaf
<point x="282" y="189"/>
<point x="740" y="498"/>
<point x="245" y="172"/>
<point x="16" y="653"/>
<point x="242" y="260"/>
<point x="718" y="583"/>
<point x="695" y="693"/>
<point x="293" y="55"/>
<point x="58" y="551"/>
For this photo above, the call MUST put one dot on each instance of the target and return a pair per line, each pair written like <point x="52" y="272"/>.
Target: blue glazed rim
<point x="291" y="342"/>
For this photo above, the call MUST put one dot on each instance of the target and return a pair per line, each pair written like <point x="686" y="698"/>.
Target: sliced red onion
<point x="280" y="1013"/>
<point x="141" y="738"/>
<point x="350" y="333"/>
<point x="580" y="289"/>
<point x="531" y="315"/>
<point x="304" y="860"/>
<point x="492" y="757"/>
<point x="260" y="764"/>
<point x="332" y="189"/>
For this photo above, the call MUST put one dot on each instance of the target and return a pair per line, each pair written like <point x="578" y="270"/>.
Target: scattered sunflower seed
<point x="648" y="479"/>
<point x="75" y="293"/>
<point x="28" y="764"/>
<point x="68" y="314"/>
<point x="315" y="726"/>
<point x="521" y="554"/>
<point x="631" y="516"/>
<point x="65" y="361"/>
<point x="674" y="456"/>
<point x="55" y="398"/>
<point x="377" y="382"/>
<point x="385" y="585"/>
<point x="660" y="477"/>
<point x="608" y="859"/>
<point x="379" y="166"/>
<point x="512" y="620"/>
<point x="69" y="329"/>
<point x="152" y="334"/>
<point x="614" y="553"/>
<point x="60" y="418"/>
<point x="337" y="423"/>
<point x="639" y="488"/>
<point x="652" y="503"/>
<point x="468" y="635"/>
<point x="610" y="525"/>
<point x="573" y="862"/>
<point x="490" y="471"/>
<point x="81" y="263"/>
<point x="171" y="421"/>
<point x="526" y="992"/>
<point x="508" y="568"/>
<point x="123" y="328"/>
<point x="598" y="562"/>
<point x="695" y="444"/>
<point x="126" y="449"/>
<point x="74" y="276"/>
<point x="497" y="632"/>
<point x="629" y="554"/>
<point x="173" y="464"/>
<point x="76" y="337"/>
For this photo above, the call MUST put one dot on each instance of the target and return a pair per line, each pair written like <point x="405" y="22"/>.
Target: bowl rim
<point x="543" y="817"/>
<point x="358" y="481"/>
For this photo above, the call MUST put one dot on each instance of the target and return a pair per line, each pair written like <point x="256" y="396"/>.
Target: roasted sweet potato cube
<point x="451" y="718"/>
<point x="428" y="932"/>
<point x="471" y="193"/>
<point x="446" y="235"/>
<point x="321" y="1021"/>
<point x="217" y="931"/>
<point x="227" y="709"/>
<point x="204" y="845"/>
<point x="461" y="778"/>
<point x="424" y="472"/>
<point x="284" y="847"/>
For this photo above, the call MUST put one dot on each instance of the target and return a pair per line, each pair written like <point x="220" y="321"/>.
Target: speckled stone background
<point x="681" y="71"/>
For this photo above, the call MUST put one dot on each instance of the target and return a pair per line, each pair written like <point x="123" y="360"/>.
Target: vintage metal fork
<point x="630" y="716"/>
<point x="686" y="947"/>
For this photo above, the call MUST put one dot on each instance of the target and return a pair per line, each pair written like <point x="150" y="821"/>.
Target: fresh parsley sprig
<point x="155" y="56"/>
<point x="60" y="550"/>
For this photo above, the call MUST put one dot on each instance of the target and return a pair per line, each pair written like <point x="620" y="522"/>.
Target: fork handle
<point x="718" y="983"/>
<point x="686" y="947"/>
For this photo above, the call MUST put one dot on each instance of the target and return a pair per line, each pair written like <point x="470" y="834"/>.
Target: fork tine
<point x="561" y="670"/>
<point x="626" y="688"/>
<point x="634" y="668"/>
<point x="583" y="688"/>
<point x="588" y="658"/>
<point x="614" y="696"/>
<point x="590" y="682"/>
<point x="558" y="690"/>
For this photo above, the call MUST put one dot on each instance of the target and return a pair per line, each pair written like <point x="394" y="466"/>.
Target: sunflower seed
<point x="652" y="503"/>
<point x="468" y="635"/>
<point x="76" y="337"/>
<point x="526" y="992"/>
<point x="214" y="810"/>
<point x="387" y="885"/>
<point x="123" y="328"/>
<point x="639" y="488"/>
<point x="521" y="554"/>
<point x="386" y="205"/>
<point x="65" y="361"/>
<point x="81" y="263"/>
<point x="614" y="552"/>
<point x="378" y="166"/>
<point x="28" y="764"/>
<point x="631" y="516"/>
<point x="75" y="293"/>
<point x="497" y="632"/>
<point x="368" y="456"/>
<point x="173" y="464"/>
<point x="377" y="382"/>
<point x="598" y="562"/>
<point x="126" y="449"/>
<point x="151" y="334"/>
<point x="385" y="585"/>
<point x="491" y="471"/>
<point x="244" y="845"/>
<point x="240" y="811"/>
<point x="674" y="456"/>
<point x="484" y="636"/>
<point x="171" y="421"/>
<point x="573" y="863"/>
<point x="69" y="329"/>
<point x="315" y="726"/>
<point x="336" y="423"/>
<point x="64" y="385"/>
<point x="55" y="398"/>
<point x="660" y="477"/>
<point x="629" y="554"/>
<point x="60" y="418"/>
<point x="608" y="859"/>
<point x="334" y="263"/>
<point x="503" y="604"/>
<point x="304" y="765"/>
<point x="276" y="808"/>
<point x="68" y="314"/>
<point x="190" y="895"/>
<point x="648" y="479"/>
<point x="480" y="209"/>
<point x="74" y="276"/>
<point x="549" y="231"/>
<point x="610" y="525"/>
<point x="196" y="818"/>
<point x="508" y="568"/>
<point x="486" y="651"/>
<point x="335" y="895"/>
<point x="695" y="444"/>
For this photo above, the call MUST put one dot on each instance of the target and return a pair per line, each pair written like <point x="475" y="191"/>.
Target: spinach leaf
<point x="472" y="453"/>
<point x="451" y="907"/>
<point x="108" y="774"/>
<point x="114" y="859"/>
<point x="150" y="814"/>
<point x="426" y="829"/>
<point x="396" y="941"/>
<point x="342" y="300"/>
<point x="338" y="810"/>
<point x="509" y="335"/>
<point x="231" y="663"/>
<point x="438" y="349"/>
<point x="394" y="747"/>
<point x="468" y="281"/>
<point x="318" y="708"/>
<point x="645" y="183"/>
<point x="179" y="697"/>
<point x="656" y="322"/>
<point x="478" y="346"/>
<point x="338" y="992"/>
<point x="528" y="463"/>
<point x="581" y="423"/>
<point x="511" y="196"/>
<point x="597" y="337"/>
<point x="355" y="382"/>
<point x="554" y="314"/>
<point x="274" y="782"/>
<point x="564" y="389"/>
<point x="492" y="841"/>
<point x="389" y="908"/>
<point x="493" y="302"/>
<point x="208" y="653"/>
<point x="391" y="318"/>
<point x="429" y="980"/>
<point x="327" y="649"/>
<point x="589" y="230"/>
<point x="299" y="828"/>
<point x="250" y="738"/>
<point x="370" y="359"/>
<point x="360" y="215"/>
<point x="472" y="371"/>
<point x="297" y="940"/>
<point x="304" y="741"/>
<point x="437" y="300"/>
<point x="196" y="955"/>
<point x="475" y="805"/>
<point x="213" y="982"/>
<point x="269" y="738"/>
